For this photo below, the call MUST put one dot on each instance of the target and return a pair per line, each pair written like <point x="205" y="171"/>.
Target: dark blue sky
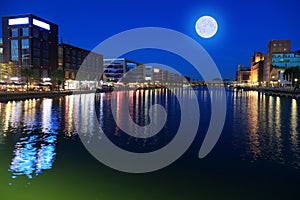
<point x="244" y="26"/>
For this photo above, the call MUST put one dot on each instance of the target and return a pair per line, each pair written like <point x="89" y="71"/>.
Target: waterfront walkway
<point x="282" y="92"/>
<point x="16" y="96"/>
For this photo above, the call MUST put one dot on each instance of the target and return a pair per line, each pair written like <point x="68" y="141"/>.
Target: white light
<point x="156" y="70"/>
<point x="41" y="24"/>
<point x="46" y="79"/>
<point x="206" y="26"/>
<point x="16" y="21"/>
<point x="14" y="78"/>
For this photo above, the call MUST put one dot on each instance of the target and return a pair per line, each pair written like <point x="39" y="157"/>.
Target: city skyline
<point x="243" y="27"/>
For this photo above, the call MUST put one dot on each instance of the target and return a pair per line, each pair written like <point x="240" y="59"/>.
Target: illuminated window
<point x="25" y="32"/>
<point x="25" y="44"/>
<point x="25" y="56"/>
<point x="14" y="50"/>
<point x="14" y="32"/>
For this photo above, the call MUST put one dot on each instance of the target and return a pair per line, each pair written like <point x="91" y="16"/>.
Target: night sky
<point x="244" y="26"/>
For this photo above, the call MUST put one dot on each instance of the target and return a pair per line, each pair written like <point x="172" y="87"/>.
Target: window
<point x="67" y="51"/>
<point x="67" y="58"/>
<point x="25" y="32"/>
<point x="14" y="32"/>
<point x="45" y="54"/>
<point x="14" y="50"/>
<point x="36" y="61"/>
<point x="45" y="62"/>
<point x="79" y="61"/>
<point x="25" y="56"/>
<point x="36" y="53"/>
<point x="45" y="46"/>
<point x="25" y="44"/>
<point x="73" y="53"/>
<point x="60" y="53"/>
<point x="45" y="35"/>
<point x="36" y="33"/>
<point x="36" y="43"/>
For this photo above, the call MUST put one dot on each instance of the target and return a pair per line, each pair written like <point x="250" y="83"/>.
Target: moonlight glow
<point x="206" y="27"/>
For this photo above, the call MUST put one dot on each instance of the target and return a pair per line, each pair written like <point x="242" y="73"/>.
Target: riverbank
<point x="281" y="92"/>
<point x="17" y="96"/>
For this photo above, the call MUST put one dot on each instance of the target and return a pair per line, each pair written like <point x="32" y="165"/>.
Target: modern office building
<point x="256" y="66"/>
<point x="30" y="41"/>
<point x="72" y="59"/>
<point x="274" y="46"/>
<point x="115" y="69"/>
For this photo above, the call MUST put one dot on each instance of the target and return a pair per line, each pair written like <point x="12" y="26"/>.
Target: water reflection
<point x="273" y="127"/>
<point x="34" y="125"/>
<point x="263" y="127"/>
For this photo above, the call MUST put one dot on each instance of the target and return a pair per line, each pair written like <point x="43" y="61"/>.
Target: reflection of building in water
<point x="253" y="118"/>
<point x="69" y="107"/>
<point x="293" y="131"/>
<point x="35" y="150"/>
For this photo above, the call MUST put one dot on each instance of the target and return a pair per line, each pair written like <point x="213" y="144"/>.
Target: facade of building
<point x="281" y="62"/>
<point x="274" y="46"/>
<point x="285" y="60"/>
<point x="115" y="69"/>
<point x="243" y="75"/>
<point x="30" y="42"/>
<point x="257" y="62"/>
<point x="72" y="58"/>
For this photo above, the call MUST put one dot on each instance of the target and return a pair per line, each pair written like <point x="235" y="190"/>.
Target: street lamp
<point x="296" y="80"/>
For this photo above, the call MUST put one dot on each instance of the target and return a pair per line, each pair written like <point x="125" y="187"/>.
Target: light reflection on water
<point x="262" y="127"/>
<point x="272" y="132"/>
<point x="34" y="126"/>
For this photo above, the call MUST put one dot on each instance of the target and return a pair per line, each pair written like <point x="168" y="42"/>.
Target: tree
<point x="28" y="73"/>
<point x="6" y="70"/>
<point x="58" y="76"/>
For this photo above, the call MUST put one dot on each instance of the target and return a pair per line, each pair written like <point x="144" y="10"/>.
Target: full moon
<point x="206" y="27"/>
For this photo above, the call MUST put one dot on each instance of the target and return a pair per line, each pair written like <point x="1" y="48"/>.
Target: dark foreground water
<point x="256" y="157"/>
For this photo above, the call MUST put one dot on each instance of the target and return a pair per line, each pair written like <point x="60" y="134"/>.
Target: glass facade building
<point x="285" y="60"/>
<point x="30" y="42"/>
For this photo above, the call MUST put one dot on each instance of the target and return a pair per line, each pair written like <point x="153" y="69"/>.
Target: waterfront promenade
<point x="16" y="96"/>
<point x="282" y="92"/>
